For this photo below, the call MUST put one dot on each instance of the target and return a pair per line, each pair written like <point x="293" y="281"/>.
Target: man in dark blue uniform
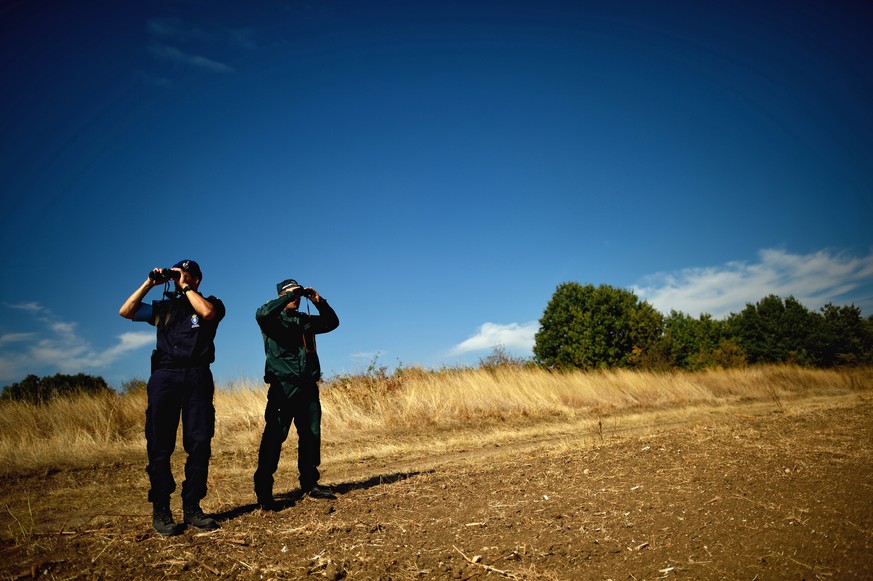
<point x="293" y="371"/>
<point x="181" y="385"/>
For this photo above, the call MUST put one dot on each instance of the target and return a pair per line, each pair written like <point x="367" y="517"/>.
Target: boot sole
<point x="207" y="528"/>
<point x="173" y="533"/>
<point x="204" y="529"/>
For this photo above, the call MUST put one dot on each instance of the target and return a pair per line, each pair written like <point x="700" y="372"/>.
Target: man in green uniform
<point x="292" y="371"/>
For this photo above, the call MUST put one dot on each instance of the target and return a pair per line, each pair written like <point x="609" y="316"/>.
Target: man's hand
<point x="312" y="294"/>
<point x="152" y="282"/>
<point x="290" y="291"/>
<point x="185" y="278"/>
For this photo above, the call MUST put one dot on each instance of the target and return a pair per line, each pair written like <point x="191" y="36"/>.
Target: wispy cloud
<point x="367" y="355"/>
<point x="175" y="30"/>
<point x="173" y="54"/>
<point x="813" y="279"/>
<point x="56" y="347"/>
<point x="186" y="43"/>
<point x="28" y="307"/>
<point x="513" y="336"/>
<point x="15" y="338"/>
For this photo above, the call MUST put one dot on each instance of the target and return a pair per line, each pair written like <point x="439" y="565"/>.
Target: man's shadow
<point x="289" y="499"/>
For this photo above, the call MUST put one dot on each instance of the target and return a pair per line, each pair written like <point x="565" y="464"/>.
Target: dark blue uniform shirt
<point x="184" y="338"/>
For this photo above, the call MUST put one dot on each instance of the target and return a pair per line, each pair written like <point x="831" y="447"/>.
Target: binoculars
<point x="300" y="291"/>
<point x="164" y="275"/>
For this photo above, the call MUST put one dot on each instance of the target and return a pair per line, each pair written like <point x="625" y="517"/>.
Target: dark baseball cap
<point x="285" y="285"/>
<point x="189" y="266"/>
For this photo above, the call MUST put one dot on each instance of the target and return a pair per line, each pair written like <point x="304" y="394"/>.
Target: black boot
<point x="194" y="516"/>
<point x="264" y="495"/>
<point x="162" y="520"/>
<point x="316" y="491"/>
<point x="269" y="505"/>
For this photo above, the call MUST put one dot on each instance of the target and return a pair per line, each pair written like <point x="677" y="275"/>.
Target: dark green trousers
<point x="303" y="409"/>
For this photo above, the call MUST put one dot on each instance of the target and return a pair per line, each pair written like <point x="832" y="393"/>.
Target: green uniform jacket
<point x="289" y="342"/>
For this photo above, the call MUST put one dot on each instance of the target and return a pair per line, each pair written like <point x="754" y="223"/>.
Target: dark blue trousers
<point x="174" y="394"/>
<point x="303" y="409"/>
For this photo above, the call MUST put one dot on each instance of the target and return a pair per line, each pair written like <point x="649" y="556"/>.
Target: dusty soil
<point x="749" y="492"/>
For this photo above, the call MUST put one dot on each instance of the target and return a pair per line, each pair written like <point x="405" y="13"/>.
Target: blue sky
<point x="434" y="169"/>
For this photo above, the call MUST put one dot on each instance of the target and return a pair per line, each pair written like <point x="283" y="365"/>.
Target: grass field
<point x="407" y="411"/>
<point x="508" y="473"/>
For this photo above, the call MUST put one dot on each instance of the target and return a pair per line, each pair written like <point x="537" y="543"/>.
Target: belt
<point x="181" y="365"/>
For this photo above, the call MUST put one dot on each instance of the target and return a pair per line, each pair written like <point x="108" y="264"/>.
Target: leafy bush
<point x="34" y="389"/>
<point x="135" y="385"/>
<point x="500" y="357"/>
<point x="591" y="327"/>
<point x="586" y="327"/>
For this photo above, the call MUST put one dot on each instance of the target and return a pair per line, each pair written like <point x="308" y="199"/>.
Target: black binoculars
<point x="164" y="275"/>
<point x="300" y="291"/>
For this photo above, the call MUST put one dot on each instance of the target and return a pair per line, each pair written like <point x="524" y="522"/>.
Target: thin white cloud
<point x="518" y="336"/>
<point x="176" y="30"/>
<point x="57" y="347"/>
<point x="12" y="367"/>
<point x="130" y="341"/>
<point x="173" y="54"/>
<point x="28" y="307"/>
<point x="184" y="42"/>
<point x="813" y="279"/>
<point x="8" y="338"/>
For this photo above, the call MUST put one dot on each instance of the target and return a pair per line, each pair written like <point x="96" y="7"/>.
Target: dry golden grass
<point x="414" y="411"/>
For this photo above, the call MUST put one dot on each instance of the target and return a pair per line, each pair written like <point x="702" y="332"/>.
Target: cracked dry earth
<point x="741" y="493"/>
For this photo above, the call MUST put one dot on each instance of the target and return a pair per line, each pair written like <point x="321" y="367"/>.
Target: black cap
<point x="285" y="285"/>
<point x="189" y="266"/>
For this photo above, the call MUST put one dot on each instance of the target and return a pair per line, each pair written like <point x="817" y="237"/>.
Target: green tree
<point x="727" y="354"/>
<point x="595" y="327"/>
<point x="28" y="390"/>
<point x="848" y="338"/>
<point x="37" y="390"/>
<point x="501" y="358"/>
<point x="868" y="333"/>
<point x="773" y="331"/>
<point x="690" y="343"/>
<point x="135" y="385"/>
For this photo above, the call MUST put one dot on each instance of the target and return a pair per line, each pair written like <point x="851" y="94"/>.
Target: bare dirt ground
<point x="745" y="492"/>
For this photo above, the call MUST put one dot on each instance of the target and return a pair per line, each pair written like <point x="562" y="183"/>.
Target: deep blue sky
<point x="434" y="169"/>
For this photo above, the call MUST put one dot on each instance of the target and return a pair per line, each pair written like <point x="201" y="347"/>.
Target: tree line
<point x="39" y="390"/>
<point x="588" y="327"/>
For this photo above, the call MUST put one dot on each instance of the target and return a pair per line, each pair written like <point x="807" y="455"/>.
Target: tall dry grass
<point x="451" y="398"/>
<point x="367" y="415"/>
